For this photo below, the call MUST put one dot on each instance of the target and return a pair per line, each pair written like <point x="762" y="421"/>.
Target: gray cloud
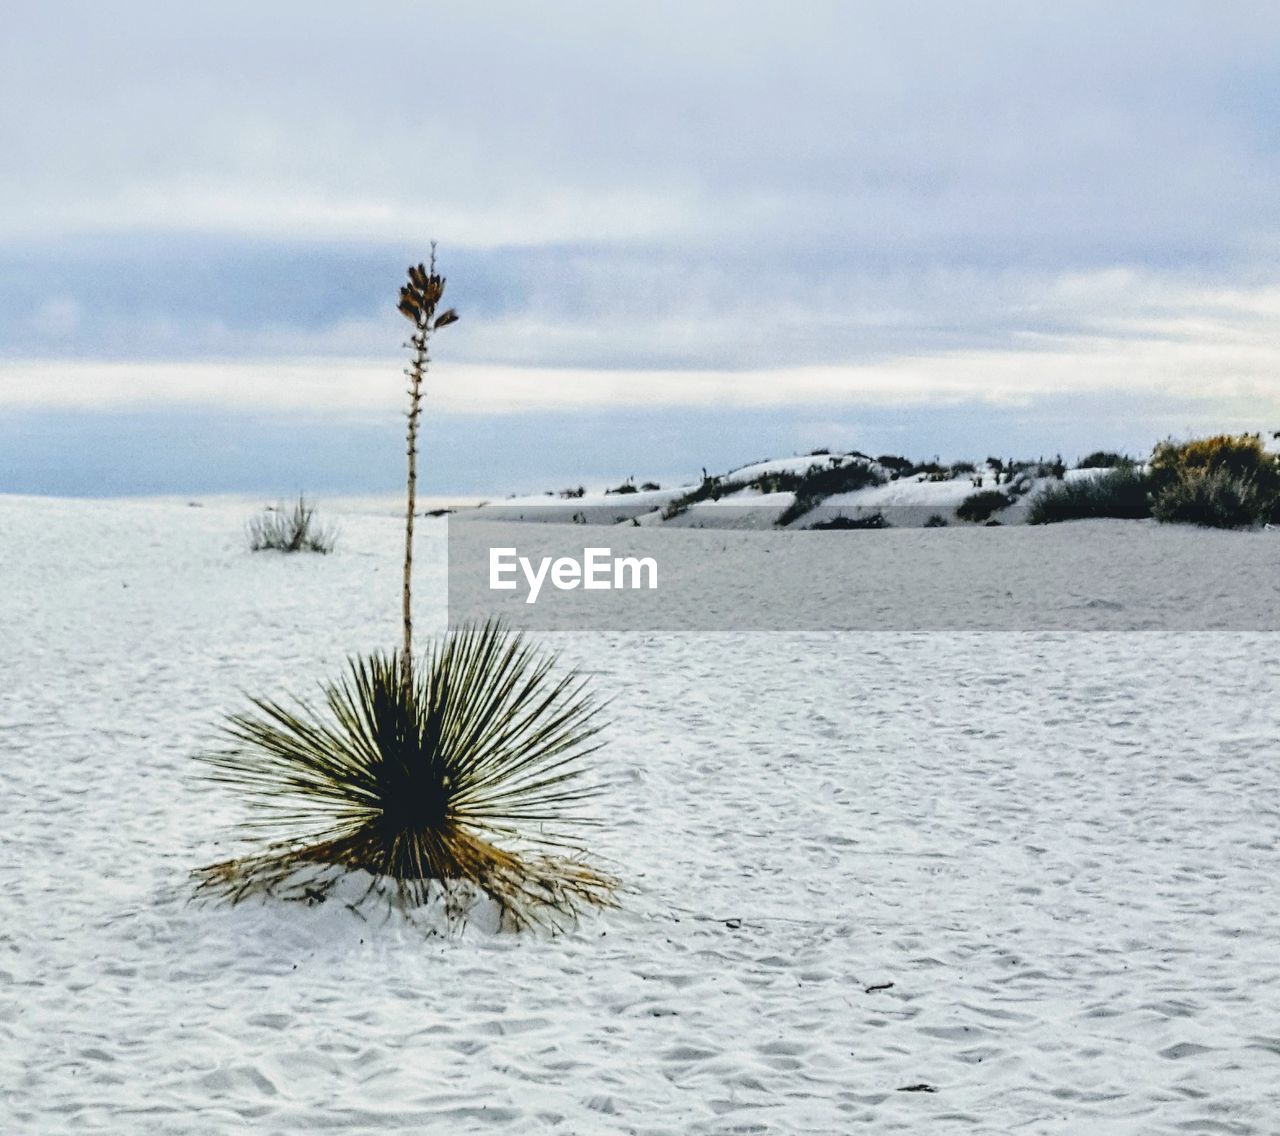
<point x="889" y="125"/>
<point x="599" y="307"/>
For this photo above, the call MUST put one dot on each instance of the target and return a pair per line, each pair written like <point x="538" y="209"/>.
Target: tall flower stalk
<point x="464" y="774"/>
<point x="419" y="300"/>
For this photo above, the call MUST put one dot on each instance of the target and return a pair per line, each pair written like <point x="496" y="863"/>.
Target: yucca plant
<point x="462" y="773"/>
<point x="469" y="778"/>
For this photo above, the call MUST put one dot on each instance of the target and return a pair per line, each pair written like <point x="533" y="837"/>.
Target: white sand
<point x="1060" y="849"/>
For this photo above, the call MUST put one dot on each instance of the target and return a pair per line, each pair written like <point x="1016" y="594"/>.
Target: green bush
<point x="1121" y="492"/>
<point x="1225" y="481"/>
<point x="1239" y="456"/>
<point x="980" y="506"/>
<point x="1217" y="500"/>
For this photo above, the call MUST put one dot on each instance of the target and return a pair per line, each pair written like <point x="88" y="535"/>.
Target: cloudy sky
<point x="680" y="234"/>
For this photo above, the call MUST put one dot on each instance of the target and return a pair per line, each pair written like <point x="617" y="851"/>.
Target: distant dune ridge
<point x="804" y="492"/>
<point x="851" y="489"/>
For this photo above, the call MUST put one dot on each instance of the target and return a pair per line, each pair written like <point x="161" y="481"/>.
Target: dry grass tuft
<point x="290" y="529"/>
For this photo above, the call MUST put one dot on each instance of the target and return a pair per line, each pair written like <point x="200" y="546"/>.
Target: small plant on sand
<point x="439" y="782"/>
<point x="285" y="528"/>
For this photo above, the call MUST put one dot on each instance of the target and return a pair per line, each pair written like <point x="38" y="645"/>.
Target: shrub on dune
<point x="978" y="507"/>
<point x="874" y="520"/>
<point x="813" y="487"/>
<point x="1216" y="500"/>
<point x="1240" y="456"/>
<point x="1103" y="459"/>
<point x="709" y="489"/>
<point x="1226" y="481"/>
<point x="1121" y="492"/>
<point x="896" y="465"/>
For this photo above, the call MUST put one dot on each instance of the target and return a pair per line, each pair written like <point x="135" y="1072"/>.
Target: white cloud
<point x="1233" y="377"/>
